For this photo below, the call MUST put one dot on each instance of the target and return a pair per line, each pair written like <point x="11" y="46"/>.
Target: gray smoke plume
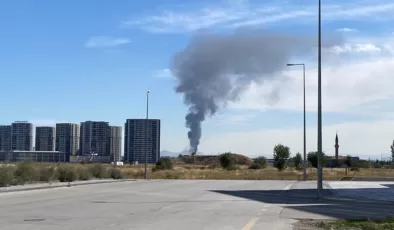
<point x="215" y="69"/>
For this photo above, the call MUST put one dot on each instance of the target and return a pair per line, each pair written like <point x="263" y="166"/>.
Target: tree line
<point x="282" y="159"/>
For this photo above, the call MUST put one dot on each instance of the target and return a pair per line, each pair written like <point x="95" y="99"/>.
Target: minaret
<point x="336" y="149"/>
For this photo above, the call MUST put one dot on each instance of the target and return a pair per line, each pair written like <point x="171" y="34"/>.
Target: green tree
<point x="297" y="160"/>
<point x="281" y="155"/>
<point x="259" y="163"/>
<point x="312" y="159"/>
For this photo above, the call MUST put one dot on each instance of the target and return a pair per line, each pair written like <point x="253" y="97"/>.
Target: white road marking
<point x="289" y="186"/>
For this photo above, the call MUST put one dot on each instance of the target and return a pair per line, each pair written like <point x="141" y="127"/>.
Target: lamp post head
<point x="148" y="92"/>
<point x="295" y="64"/>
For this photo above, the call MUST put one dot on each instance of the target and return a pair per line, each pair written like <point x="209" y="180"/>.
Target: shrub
<point x="98" y="171"/>
<point x="262" y="161"/>
<point x="67" y="174"/>
<point x="163" y="164"/>
<point x="25" y="172"/>
<point x="355" y="169"/>
<point x="84" y="174"/>
<point x="227" y="161"/>
<point x="139" y="174"/>
<point x="259" y="163"/>
<point x="255" y="166"/>
<point x="48" y="174"/>
<point x="233" y="167"/>
<point x="377" y="166"/>
<point x="115" y="173"/>
<point x="298" y="161"/>
<point x="6" y="175"/>
<point x="363" y="164"/>
<point x="213" y="166"/>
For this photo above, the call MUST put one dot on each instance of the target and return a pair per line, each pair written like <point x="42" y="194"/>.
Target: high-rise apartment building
<point x="115" y="143"/>
<point x="22" y="136"/>
<point x="45" y="138"/>
<point x="67" y="138"/>
<point x="94" y="138"/>
<point x="141" y="137"/>
<point x="5" y="137"/>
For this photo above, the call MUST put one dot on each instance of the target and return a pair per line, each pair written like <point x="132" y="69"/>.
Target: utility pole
<point x="146" y="134"/>
<point x="319" y="111"/>
<point x="305" y="161"/>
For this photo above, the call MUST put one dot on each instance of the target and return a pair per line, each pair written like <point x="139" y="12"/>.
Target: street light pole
<point x="319" y="112"/>
<point x="146" y="134"/>
<point x="305" y="161"/>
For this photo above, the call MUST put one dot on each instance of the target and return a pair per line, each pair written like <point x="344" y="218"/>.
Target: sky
<point x="72" y="61"/>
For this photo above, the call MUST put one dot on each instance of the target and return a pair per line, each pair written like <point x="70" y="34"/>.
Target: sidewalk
<point x="363" y="191"/>
<point x="355" y="191"/>
<point x="28" y="187"/>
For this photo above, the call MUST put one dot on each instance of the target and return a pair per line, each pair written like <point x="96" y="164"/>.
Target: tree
<point x="392" y="152"/>
<point x="297" y="160"/>
<point x="281" y="155"/>
<point x="312" y="158"/>
<point x="259" y="163"/>
<point x="348" y="161"/>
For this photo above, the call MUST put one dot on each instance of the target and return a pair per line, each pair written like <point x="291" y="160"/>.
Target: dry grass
<point x="190" y="171"/>
<point x="269" y="173"/>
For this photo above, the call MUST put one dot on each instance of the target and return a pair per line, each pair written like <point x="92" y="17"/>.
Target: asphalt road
<point x="167" y="205"/>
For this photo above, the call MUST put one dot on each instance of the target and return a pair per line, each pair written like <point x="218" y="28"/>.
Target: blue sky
<point x="94" y="60"/>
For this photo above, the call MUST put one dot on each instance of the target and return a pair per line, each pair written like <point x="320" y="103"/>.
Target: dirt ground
<point x="310" y="224"/>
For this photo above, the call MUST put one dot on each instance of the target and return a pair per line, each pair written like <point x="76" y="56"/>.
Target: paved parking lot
<point x="176" y="204"/>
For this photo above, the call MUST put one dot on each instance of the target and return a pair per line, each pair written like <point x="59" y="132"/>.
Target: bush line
<point x="29" y="172"/>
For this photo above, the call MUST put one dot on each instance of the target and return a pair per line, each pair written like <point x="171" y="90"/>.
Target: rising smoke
<point x="215" y="69"/>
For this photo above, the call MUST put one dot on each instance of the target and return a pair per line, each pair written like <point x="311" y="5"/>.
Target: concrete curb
<point x="58" y="185"/>
<point x="366" y="201"/>
<point x="330" y="189"/>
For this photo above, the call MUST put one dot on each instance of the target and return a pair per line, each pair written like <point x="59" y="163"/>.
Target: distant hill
<point x="212" y="159"/>
<point x="166" y="153"/>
